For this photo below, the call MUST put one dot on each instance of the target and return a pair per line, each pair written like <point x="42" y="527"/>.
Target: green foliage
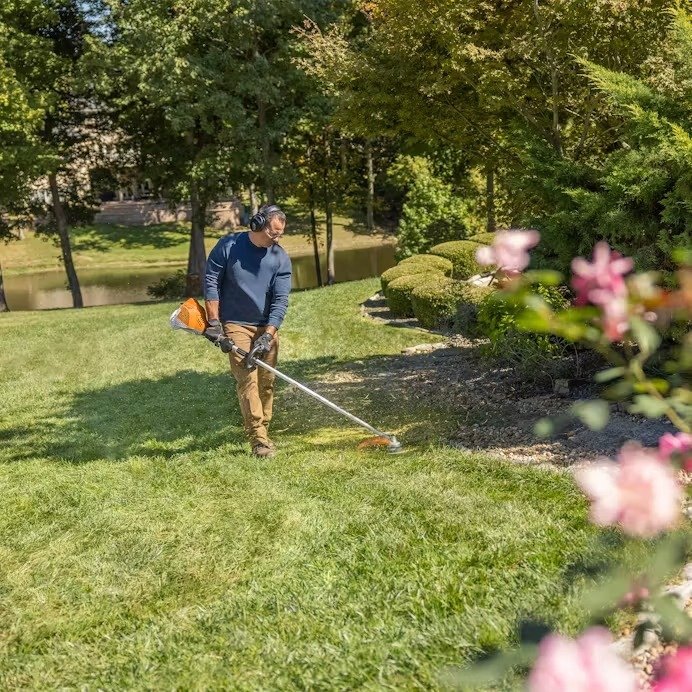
<point x="462" y="254"/>
<point x="636" y="194"/>
<point x="436" y="303"/>
<point x="486" y="238"/>
<point x="431" y="213"/>
<point x="169" y="287"/>
<point x="466" y="317"/>
<point x="399" y="291"/>
<point x="498" y="320"/>
<point x="403" y="270"/>
<point x="433" y="261"/>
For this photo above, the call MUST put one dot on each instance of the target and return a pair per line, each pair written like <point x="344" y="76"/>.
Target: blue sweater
<point x="252" y="283"/>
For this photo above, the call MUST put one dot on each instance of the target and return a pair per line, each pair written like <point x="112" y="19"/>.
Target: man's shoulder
<point x="231" y="239"/>
<point x="281" y="253"/>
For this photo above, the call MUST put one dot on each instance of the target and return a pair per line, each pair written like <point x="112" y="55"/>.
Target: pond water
<point x="46" y="290"/>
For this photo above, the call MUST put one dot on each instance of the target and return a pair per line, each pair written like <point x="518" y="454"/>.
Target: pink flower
<point x="678" y="445"/>
<point x="615" y="319"/>
<point x="639" y="493"/>
<point x="605" y="274"/>
<point x="509" y="250"/>
<point x="677" y="672"/>
<point x="583" y="665"/>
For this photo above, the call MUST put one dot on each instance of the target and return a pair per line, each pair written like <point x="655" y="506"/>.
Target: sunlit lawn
<point x="143" y="548"/>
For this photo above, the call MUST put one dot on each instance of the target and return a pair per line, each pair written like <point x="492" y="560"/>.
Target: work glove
<point x="261" y="346"/>
<point x="214" y="332"/>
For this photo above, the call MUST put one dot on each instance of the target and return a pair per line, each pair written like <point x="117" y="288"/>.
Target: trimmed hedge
<point x="399" y="290"/>
<point x="432" y="261"/>
<point x="486" y="238"/>
<point x="462" y="254"/>
<point x="402" y="270"/>
<point x="466" y="317"/>
<point x="437" y="304"/>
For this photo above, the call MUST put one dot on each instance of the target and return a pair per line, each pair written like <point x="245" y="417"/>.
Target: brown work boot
<point x="262" y="450"/>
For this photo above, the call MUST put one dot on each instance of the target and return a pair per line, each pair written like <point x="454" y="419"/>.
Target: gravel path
<point x="494" y="410"/>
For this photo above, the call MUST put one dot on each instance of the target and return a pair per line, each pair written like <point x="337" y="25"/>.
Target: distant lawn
<point x="143" y="548"/>
<point x="102" y="245"/>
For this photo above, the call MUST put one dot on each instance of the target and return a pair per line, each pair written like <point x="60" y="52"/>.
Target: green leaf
<point x="649" y="406"/>
<point x="543" y="427"/>
<point x="531" y="321"/>
<point x="677" y="624"/>
<point x="618" y="391"/>
<point x="491" y="670"/>
<point x="609" y="374"/>
<point x="647" y="338"/>
<point x="547" y="277"/>
<point x="594" y="414"/>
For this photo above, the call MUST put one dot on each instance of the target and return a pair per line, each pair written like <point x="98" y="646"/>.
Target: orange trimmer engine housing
<point x="190" y="316"/>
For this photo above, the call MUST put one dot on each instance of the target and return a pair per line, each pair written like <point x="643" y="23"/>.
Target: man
<point x="247" y="282"/>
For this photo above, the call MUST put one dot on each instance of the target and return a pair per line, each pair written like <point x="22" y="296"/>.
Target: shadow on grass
<point x="198" y="412"/>
<point x="105" y="237"/>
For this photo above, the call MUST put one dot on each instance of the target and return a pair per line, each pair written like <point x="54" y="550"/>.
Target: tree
<point x="21" y="154"/>
<point x="477" y="78"/>
<point x="208" y="92"/>
<point x="45" y="48"/>
<point x="637" y="197"/>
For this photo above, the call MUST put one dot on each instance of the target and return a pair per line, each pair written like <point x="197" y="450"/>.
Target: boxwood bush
<point x="462" y="254"/>
<point x="466" y="315"/>
<point x="483" y="238"/>
<point x="402" y="270"/>
<point x="399" y="290"/>
<point x="436" y="304"/>
<point x="432" y="261"/>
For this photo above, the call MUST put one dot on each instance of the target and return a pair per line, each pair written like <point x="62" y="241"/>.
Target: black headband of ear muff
<point x="260" y="219"/>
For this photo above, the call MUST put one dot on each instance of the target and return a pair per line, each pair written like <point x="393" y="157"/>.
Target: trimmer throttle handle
<point x="225" y="344"/>
<point x="250" y="358"/>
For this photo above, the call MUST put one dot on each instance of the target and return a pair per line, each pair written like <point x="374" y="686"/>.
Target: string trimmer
<point x="192" y="317"/>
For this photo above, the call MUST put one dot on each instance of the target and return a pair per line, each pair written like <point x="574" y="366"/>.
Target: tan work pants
<point x="255" y="388"/>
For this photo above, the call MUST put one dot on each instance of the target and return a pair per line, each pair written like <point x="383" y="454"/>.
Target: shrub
<point x="435" y="304"/>
<point x="399" y="291"/>
<point x="433" y="261"/>
<point x="402" y="270"/>
<point x="466" y="317"/>
<point x="483" y="238"/>
<point x="169" y="287"/>
<point x="432" y="211"/>
<point x="529" y="353"/>
<point x="462" y="254"/>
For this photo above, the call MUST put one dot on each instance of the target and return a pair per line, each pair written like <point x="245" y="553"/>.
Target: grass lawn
<point x="101" y="245"/>
<point x="143" y="548"/>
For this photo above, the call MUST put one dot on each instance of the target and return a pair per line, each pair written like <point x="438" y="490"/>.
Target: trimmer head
<point x="386" y="442"/>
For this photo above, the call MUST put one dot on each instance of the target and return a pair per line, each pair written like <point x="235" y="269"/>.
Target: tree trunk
<point x="197" y="256"/>
<point x="331" y="275"/>
<point x="328" y="213"/>
<point x="342" y="152"/>
<point x="313" y="231"/>
<point x="3" y="300"/>
<point x="266" y="151"/>
<point x="490" y="198"/>
<point x="254" y="207"/>
<point x="370" y="203"/>
<point x="63" y="234"/>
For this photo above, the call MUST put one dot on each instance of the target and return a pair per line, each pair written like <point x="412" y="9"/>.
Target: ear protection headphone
<point x="259" y="221"/>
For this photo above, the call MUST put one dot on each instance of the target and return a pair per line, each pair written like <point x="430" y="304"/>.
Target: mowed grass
<point x="141" y="547"/>
<point x="101" y="245"/>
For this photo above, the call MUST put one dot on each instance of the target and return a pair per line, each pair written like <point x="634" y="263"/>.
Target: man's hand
<point x="263" y="344"/>
<point x="214" y="332"/>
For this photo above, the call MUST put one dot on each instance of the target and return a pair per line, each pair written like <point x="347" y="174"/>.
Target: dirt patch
<point x="493" y="409"/>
